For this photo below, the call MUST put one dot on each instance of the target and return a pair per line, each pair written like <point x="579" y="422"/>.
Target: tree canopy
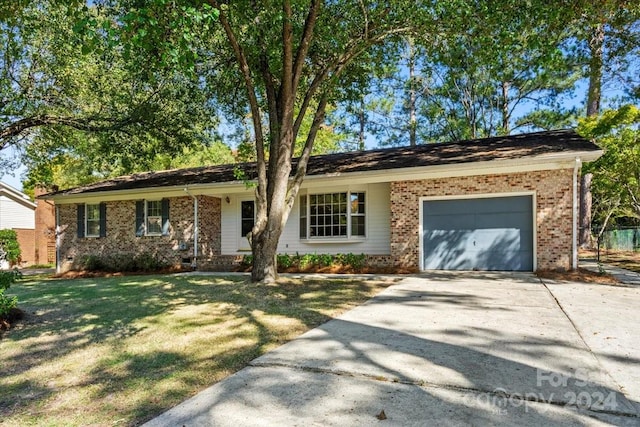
<point x="94" y="90"/>
<point x="79" y="114"/>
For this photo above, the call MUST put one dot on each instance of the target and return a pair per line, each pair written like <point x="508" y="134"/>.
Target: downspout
<point x="58" y="266"/>
<point x="576" y="173"/>
<point x="194" y="263"/>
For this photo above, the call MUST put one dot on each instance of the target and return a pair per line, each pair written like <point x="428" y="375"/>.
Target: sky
<point x="13" y="177"/>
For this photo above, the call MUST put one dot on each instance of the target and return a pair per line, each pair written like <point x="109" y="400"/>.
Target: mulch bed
<point x="579" y="275"/>
<point x="82" y="274"/>
<point x="337" y="269"/>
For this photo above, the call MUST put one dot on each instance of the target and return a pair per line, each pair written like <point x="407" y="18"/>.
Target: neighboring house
<point x="505" y="203"/>
<point x="17" y="212"/>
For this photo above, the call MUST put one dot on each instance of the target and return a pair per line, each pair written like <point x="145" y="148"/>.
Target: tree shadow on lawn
<point x="104" y="318"/>
<point x="70" y="316"/>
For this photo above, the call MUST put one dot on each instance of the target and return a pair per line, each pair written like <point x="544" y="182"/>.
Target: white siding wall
<point x="15" y="215"/>
<point x="377" y="241"/>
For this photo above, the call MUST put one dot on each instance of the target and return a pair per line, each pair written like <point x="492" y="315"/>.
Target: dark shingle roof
<point x="476" y="150"/>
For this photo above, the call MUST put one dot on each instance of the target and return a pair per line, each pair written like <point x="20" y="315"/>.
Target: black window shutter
<point x="140" y="218"/>
<point x="103" y="219"/>
<point x="80" y="220"/>
<point x="165" y="217"/>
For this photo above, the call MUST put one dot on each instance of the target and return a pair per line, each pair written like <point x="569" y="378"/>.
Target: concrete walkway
<point x="447" y="349"/>
<point x="625" y="276"/>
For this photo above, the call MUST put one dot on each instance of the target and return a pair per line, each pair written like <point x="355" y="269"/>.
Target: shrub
<point x="144" y="262"/>
<point x="247" y="260"/>
<point x="284" y="261"/>
<point x="7" y="278"/>
<point x="9" y="244"/>
<point x="91" y="263"/>
<point x="148" y="262"/>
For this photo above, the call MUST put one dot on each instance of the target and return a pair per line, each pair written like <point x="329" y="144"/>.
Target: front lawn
<point x="119" y="351"/>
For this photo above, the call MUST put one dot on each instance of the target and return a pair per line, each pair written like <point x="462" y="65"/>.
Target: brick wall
<point x="45" y="231"/>
<point x="27" y="248"/>
<point x="553" y="211"/>
<point x="121" y="238"/>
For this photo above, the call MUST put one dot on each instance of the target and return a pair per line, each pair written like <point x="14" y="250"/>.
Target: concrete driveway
<point x="447" y="349"/>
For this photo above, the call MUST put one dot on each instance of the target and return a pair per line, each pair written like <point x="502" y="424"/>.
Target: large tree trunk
<point x="264" y="248"/>
<point x="413" y="123"/>
<point x="596" y="42"/>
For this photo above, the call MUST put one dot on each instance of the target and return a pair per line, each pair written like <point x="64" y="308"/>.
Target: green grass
<point x="119" y="351"/>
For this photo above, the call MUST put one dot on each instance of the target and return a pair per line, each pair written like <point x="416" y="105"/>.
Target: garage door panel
<point x="483" y="234"/>
<point x="451" y="222"/>
<point x="495" y="239"/>
<point x="448" y="248"/>
<point x="515" y="220"/>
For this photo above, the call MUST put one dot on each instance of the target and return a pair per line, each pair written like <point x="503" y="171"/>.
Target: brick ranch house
<point x="503" y="203"/>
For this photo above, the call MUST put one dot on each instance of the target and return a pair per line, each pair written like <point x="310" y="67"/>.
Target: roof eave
<point x="540" y="162"/>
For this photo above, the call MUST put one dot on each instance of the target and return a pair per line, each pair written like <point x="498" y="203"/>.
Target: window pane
<point x="154" y="224"/>
<point x="154" y="208"/>
<point x="93" y="228"/>
<point x="303" y="217"/>
<point x="247" y="216"/>
<point x="303" y="228"/>
<point x="247" y="208"/>
<point x="357" y="203"/>
<point x="357" y="226"/>
<point x="93" y="212"/>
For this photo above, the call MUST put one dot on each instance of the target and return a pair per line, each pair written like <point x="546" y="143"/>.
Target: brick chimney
<point x="45" y="231"/>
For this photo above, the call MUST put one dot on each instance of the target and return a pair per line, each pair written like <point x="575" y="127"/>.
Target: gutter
<point x="576" y="173"/>
<point x="194" y="262"/>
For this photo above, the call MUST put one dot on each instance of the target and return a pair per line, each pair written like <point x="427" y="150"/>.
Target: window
<point x="247" y="217"/>
<point x="92" y="220"/>
<point x="92" y="215"/>
<point x="332" y="215"/>
<point x="357" y="214"/>
<point x="303" y="217"/>
<point x="152" y="217"/>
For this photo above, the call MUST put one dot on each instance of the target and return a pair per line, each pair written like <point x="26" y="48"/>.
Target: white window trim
<point x="349" y="238"/>
<point x="147" y="216"/>
<point x="86" y="220"/>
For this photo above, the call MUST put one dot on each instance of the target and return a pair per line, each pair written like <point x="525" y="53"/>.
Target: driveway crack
<point x="498" y="393"/>
<point x="588" y="347"/>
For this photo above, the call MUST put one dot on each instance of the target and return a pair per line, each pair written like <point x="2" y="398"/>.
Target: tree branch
<point x="255" y="111"/>
<point x="303" y="49"/>
<point x="86" y="124"/>
<point x="303" y="160"/>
